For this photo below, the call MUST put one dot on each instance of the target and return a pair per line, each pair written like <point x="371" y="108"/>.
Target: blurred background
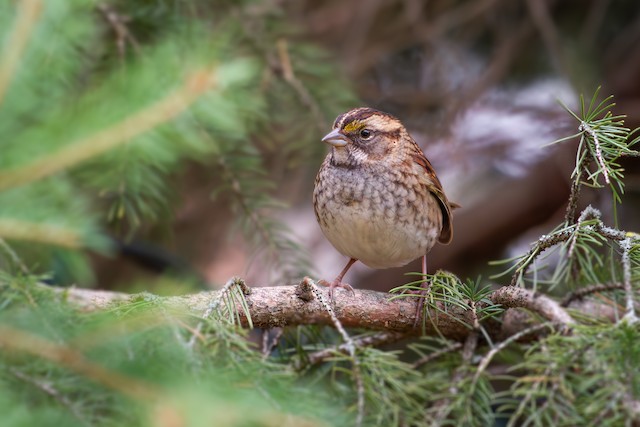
<point x="222" y="186"/>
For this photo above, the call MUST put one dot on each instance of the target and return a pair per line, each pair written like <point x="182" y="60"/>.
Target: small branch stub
<point x="304" y="290"/>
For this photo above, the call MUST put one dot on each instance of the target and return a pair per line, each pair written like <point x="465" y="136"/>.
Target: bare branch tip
<point x="240" y="283"/>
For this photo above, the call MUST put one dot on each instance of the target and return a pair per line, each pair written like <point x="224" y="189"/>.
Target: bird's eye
<point x="366" y="134"/>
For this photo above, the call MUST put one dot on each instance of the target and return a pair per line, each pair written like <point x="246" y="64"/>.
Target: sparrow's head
<point x="365" y="135"/>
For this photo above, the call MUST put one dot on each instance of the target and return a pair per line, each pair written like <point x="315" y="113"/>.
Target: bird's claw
<point x="336" y="284"/>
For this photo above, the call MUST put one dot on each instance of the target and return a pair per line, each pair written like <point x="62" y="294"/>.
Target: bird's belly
<point x="379" y="239"/>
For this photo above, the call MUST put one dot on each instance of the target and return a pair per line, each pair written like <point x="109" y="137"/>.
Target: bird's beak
<point x="335" y="138"/>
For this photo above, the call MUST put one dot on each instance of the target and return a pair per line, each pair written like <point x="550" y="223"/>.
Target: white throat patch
<point x="349" y="155"/>
<point x="359" y="155"/>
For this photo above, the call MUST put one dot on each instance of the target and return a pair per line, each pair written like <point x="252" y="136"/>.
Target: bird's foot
<point x="336" y="284"/>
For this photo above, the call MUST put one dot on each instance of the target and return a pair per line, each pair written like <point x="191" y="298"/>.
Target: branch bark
<point x="281" y="306"/>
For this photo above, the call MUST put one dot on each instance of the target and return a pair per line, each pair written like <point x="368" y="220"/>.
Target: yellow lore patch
<point x="354" y="126"/>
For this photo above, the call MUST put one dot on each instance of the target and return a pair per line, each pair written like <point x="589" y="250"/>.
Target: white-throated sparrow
<point x="376" y="196"/>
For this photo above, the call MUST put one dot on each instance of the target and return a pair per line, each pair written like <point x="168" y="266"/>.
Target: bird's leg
<point x="422" y="294"/>
<point x="337" y="282"/>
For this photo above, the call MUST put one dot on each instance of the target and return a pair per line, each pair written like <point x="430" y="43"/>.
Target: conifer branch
<point x="589" y="221"/>
<point x="40" y="233"/>
<point x="120" y="133"/>
<point x="25" y="342"/>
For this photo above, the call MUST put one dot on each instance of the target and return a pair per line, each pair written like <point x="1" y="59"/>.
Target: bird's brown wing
<point x="433" y="183"/>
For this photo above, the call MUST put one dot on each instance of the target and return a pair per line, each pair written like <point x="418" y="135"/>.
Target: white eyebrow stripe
<point x="377" y="122"/>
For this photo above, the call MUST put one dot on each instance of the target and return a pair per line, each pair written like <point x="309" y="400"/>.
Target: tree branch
<point x="368" y="341"/>
<point x="280" y="306"/>
<point x="515" y="297"/>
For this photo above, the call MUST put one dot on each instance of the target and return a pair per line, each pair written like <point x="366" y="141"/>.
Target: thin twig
<point x="215" y="304"/>
<point x="436" y="354"/>
<point x="117" y="23"/>
<point x="475" y="322"/>
<point x="468" y="350"/>
<point x="270" y="237"/>
<point x="237" y="191"/>
<point x="574" y="195"/>
<point x="588" y="213"/>
<point x="269" y="343"/>
<point x="444" y="405"/>
<point x="630" y="315"/>
<point x="368" y="341"/>
<point x="14" y="256"/>
<point x="593" y="289"/>
<point x="543" y="243"/>
<point x="543" y="21"/>
<point x="530" y="394"/>
<point x="482" y="366"/>
<point x="282" y="65"/>
<point x="48" y="389"/>
<point x="584" y="127"/>
<point x="350" y="347"/>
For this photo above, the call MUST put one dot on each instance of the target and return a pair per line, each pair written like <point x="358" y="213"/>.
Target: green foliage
<point x="603" y="140"/>
<point x="445" y="291"/>
<point x="581" y="248"/>
<point x="588" y="378"/>
<point x="135" y="365"/>
<point x="583" y="377"/>
<point x="103" y="106"/>
<point x="393" y="390"/>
